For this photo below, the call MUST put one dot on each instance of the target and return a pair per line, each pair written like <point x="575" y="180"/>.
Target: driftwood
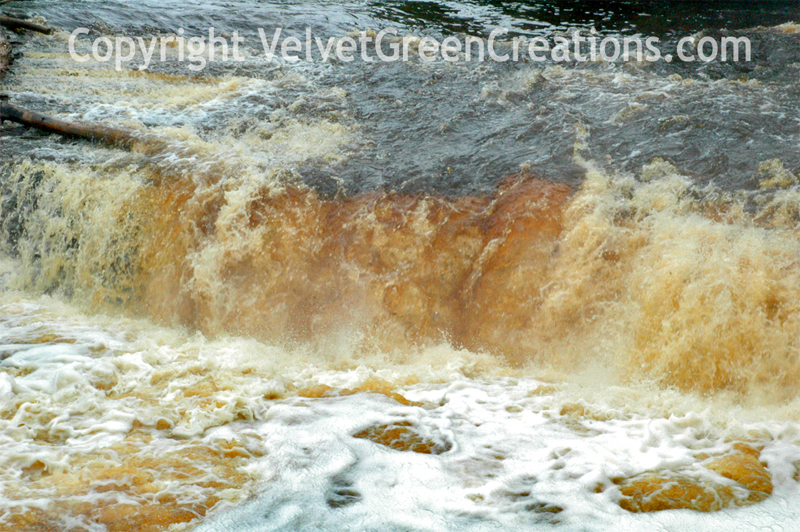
<point x="115" y="136"/>
<point x="16" y="24"/>
<point x="5" y="53"/>
<point x="96" y="132"/>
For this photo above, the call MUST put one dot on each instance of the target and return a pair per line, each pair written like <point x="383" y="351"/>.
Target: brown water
<point x="568" y="283"/>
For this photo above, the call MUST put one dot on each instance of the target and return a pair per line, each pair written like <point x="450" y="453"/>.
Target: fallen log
<point x="95" y="132"/>
<point x="5" y="53"/>
<point x="17" y="23"/>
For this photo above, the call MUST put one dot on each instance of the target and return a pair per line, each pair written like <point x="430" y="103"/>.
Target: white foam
<point x="504" y="464"/>
<point x="517" y="453"/>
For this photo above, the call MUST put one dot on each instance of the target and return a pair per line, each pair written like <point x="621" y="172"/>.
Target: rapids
<point x="332" y="296"/>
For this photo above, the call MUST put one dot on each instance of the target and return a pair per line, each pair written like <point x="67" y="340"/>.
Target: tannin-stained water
<point x="288" y="308"/>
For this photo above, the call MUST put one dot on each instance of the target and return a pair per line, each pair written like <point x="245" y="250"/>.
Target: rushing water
<point x="404" y="296"/>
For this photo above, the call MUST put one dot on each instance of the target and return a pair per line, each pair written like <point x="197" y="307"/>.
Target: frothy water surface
<point x="406" y="296"/>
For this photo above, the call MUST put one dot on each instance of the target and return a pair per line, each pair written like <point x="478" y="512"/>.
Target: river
<point x="409" y="295"/>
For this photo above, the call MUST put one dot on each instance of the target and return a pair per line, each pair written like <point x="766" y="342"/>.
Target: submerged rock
<point x="671" y="490"/>
<point x="403" y="436"/>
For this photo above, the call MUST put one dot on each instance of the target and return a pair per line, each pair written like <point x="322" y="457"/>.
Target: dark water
<point x="478" y="18"/>
<point x="458" y="129"/>
<point x="288" y="346"/>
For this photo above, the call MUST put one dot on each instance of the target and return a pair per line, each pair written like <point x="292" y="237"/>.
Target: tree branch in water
<point x="43" y="122"/>
<point x="16" y="23"/>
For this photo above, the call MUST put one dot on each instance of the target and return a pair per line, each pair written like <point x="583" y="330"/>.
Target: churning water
<point x="407" y="296"/>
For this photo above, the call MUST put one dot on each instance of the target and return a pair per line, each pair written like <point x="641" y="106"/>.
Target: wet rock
<point x="653" y="493"/>
<point x="670" y="490"/>
<point x="746" y="470"/>
<point x="403" y="436"/>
